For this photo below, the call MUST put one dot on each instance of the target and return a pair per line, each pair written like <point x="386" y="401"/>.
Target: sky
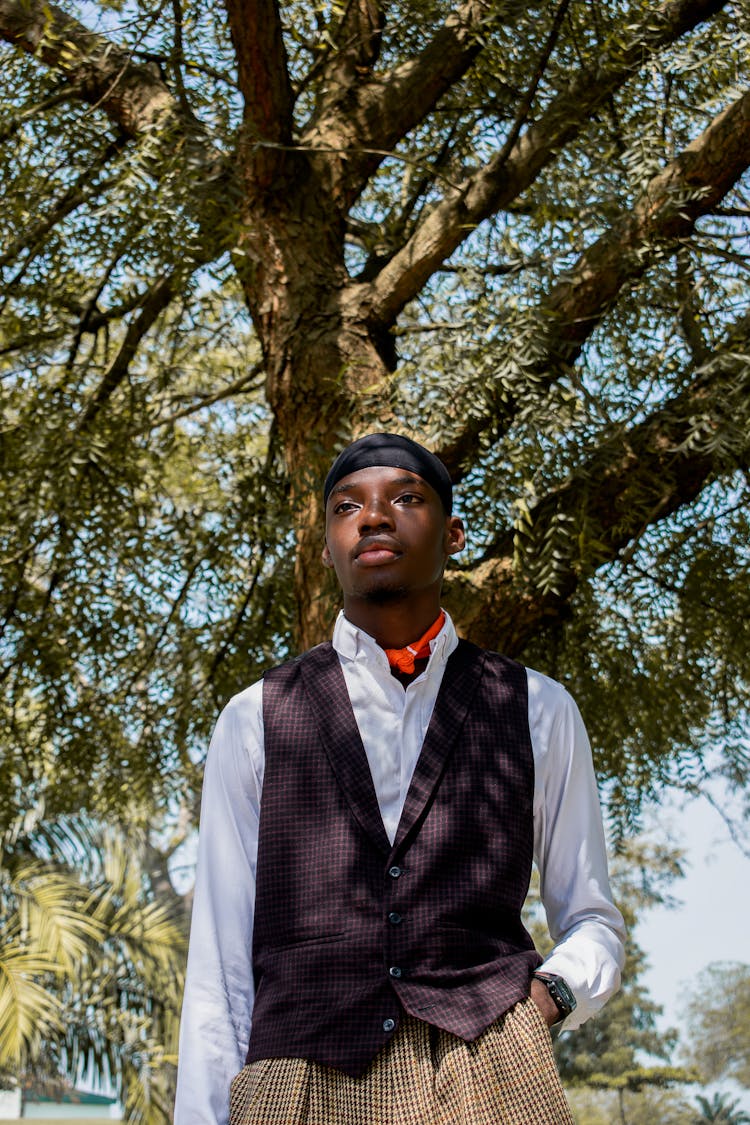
<point x="712" y="922"/>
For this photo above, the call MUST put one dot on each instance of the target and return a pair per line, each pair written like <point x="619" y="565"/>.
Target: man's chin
<point x="385" y="595"/>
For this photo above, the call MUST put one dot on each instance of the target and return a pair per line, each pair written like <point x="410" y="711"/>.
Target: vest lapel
<point x="460" y="682"/>
<point x="326" y="690"/>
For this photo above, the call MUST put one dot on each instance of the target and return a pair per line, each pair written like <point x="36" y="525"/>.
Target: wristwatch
<point x="560" y="992"/>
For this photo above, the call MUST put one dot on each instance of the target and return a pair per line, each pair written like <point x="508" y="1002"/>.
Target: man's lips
<point x="373" y="552"/>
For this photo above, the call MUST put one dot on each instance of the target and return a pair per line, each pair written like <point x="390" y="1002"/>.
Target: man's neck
<point x="393" y="625"/>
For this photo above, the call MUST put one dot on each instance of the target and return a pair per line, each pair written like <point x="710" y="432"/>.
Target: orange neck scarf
<point x="403" y="658"/>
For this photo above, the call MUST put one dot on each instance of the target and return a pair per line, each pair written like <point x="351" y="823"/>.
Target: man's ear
<point x="455" y="536"/>
<point x="326" y="556"/>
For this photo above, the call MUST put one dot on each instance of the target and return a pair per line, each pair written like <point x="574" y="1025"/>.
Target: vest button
<point x="388" y="1025"/>
<point x="395" y="918"/>
<point x="394" y="872"/>
<point x="394" y="971"/>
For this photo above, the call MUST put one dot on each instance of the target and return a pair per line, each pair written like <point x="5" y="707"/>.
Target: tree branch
<point x="159" y="297"/>
<point x="263" y="77"/>
<point x="357" y="44"/>
<point x="505" y="177"/>
<point x="86" y="312"/>
<point x="689" y="310"/>
<point x="633" y="480"/>
<point x="406" y="221"/>
<point x="527" y="101"/>
<point x="690" y="186"/>
<point x="363" y="123"/>
<point x="253" y="376"/>
<point x="133" y="96"/>
<point x="144" y="664"/>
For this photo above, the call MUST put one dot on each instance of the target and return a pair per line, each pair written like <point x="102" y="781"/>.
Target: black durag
<point x="393" y="451"/>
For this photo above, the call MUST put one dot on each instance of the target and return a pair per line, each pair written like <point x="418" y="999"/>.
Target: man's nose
<point x="376" y="512"/>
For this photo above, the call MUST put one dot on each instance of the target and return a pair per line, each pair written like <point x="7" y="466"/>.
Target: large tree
<point x="517" y="231"/>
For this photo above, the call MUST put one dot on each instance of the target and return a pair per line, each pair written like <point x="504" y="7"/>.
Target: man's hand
<point x="544" y="1001"/>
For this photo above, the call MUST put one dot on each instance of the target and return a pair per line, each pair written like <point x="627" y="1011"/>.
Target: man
<point x="369" y="816"/>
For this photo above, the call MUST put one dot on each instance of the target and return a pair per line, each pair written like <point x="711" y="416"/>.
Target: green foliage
<point x="144" y="519"/>
<point x="129" y="560"/>
<point x="656" y="651"/>
<point x="718" y="1017"/>
<point x="610" y="1066"/>
<point x="597" y="1107"/>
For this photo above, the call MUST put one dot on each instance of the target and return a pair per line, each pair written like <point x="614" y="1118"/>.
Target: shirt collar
<point x="352" y="643"/>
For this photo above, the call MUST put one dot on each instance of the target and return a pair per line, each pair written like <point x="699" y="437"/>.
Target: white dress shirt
<point x="569" y="850"/>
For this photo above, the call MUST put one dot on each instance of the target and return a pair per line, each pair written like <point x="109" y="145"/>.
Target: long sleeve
<point x="570" y="852"/>
<point x="217" y="1006"/>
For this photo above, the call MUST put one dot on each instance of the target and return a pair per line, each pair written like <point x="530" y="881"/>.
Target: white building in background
<point x="80" y="1105"/>
<point x="10" y="1104"/>
<point x="75" y="1104"/>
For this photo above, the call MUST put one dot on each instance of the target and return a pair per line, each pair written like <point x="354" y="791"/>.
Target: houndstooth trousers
<point x="423" y="1077"/>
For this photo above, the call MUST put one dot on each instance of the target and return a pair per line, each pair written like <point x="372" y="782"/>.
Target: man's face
<point x="387" y="534"/>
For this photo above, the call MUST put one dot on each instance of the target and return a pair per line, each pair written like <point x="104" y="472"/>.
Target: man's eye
<point x="409" y="498"/>
<point x="344" y="507"/>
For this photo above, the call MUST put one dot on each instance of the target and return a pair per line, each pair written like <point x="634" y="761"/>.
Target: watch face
<point x="564" y="999"/>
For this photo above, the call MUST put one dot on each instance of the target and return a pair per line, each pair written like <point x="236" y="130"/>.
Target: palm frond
<point x="29" y="1010"/>
<point x="53" y="914"/>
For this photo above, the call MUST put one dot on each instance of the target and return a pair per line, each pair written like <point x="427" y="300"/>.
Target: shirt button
<point x="394" y="971"/>
<point x="394" y="918"/>
<point x="388" y="1025"/>
<point x="394" y="872"/>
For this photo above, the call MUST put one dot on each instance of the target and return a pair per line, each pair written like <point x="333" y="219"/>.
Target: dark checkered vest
<point x="349" y="931"/>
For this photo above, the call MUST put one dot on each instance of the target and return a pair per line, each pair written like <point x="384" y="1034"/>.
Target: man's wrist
<point x="544" y="1002"/>
<point x="559" y="995"/>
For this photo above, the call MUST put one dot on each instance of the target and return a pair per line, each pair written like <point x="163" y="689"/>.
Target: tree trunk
<point x="293" y="275"/>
